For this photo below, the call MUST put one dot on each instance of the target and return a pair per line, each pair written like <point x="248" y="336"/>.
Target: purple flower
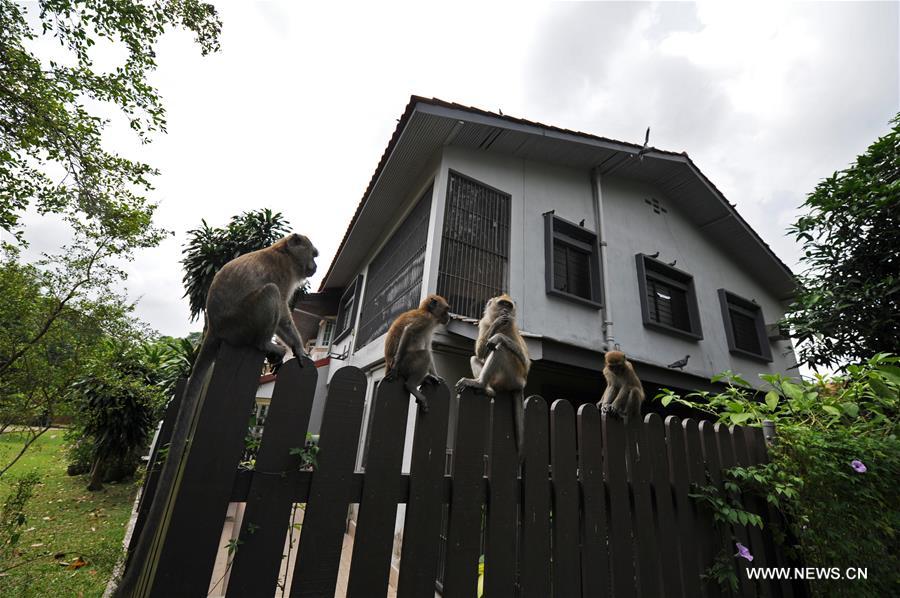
<point x="743" y="551"/>
<point x="858" y="466"/>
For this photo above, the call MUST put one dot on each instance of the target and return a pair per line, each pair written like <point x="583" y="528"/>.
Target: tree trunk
<point x="96" y="482"/>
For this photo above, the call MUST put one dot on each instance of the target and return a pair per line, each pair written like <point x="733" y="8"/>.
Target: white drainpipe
<point x="609" y="340"/>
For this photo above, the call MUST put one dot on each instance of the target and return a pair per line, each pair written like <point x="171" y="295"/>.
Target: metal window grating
<point x="474" y="264"/>
<point x="571" y="270"/>
<point x="395" y="275"/>
<point x="743" y="327"/>
<point x="668" y="304"/>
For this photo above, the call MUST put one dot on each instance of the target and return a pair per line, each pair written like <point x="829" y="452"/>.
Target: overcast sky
<point x="295" y="111"/>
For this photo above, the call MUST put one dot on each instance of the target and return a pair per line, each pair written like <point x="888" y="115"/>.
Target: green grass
<point x="63" y="517"/>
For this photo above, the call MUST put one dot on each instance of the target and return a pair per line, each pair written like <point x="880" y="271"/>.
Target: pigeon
<point x="655" y="255"/>
<point x="646" y="147"/>
<point x="672" y="263"/>
<point x="680" y="363"/>
<point x="581" y="223"/>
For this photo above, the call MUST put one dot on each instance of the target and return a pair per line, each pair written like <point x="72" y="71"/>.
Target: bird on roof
<point x="654" y="256"/>
<point x="500" y="111"/>
<point x="646" y="147"/>
<point x="680" y="363"/>
<point x="672" y="263"/>
<point x="581" y="223"/>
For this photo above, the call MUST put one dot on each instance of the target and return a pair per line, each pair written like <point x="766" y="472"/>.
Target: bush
<point x="834" y="466"/>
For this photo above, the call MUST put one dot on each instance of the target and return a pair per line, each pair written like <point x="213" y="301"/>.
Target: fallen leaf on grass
<point x="37" y="545"/>
<point x="76" y="564"/>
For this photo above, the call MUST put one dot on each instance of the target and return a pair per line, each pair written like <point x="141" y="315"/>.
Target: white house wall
<point x="633" y="228"/>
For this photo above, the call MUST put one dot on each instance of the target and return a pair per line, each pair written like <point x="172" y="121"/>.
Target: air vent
<point x="656" y="206"/>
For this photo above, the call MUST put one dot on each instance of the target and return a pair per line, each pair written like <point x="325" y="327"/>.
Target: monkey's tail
<point x="128" y="586"/>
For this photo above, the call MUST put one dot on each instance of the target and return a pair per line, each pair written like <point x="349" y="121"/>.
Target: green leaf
<point x="831" y="409"/>
<point x="739" y="418"/>
<point x="772" y="398"/>
<point x="666" y="400"/>
<point x="792" y="390"/>
<point x="851" y="409"/>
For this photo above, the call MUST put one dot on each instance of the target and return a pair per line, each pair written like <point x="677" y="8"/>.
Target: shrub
<point x="834" y="467"/>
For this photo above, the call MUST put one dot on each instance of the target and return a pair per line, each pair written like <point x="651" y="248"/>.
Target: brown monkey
<point x="247" y="302"/>
<point x="501" y="360"/>
<point x="624" y="394"/>
<point x="407" y="348"/>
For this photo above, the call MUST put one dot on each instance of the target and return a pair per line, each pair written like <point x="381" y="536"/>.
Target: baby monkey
<point x="624" y="394"/>
<point x="501" y="360"/>
<point x="407" y="348"/>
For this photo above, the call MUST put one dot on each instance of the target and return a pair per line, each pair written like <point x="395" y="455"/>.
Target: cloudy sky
<point x="295" y="111"/>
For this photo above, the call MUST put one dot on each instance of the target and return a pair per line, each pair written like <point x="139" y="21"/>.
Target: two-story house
<point x="603" y="244"/>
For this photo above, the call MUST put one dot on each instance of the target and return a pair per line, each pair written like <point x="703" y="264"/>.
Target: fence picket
<point x="422" y="527"/>
<point x="654" y="447"/>
<point x="594" y="553"/>
<point x="706" y="533"/>
<point x="649" y="564"/>
<point x="464" y="527"/>
<point x="684" y="507"/>
<point x="621" y="556"/>
<point x="535" y="566"/>
<point x="319" y="552"/>
<point x="254" y="570"/>
<point x="566" y="559"/>
<point x="502" y="504"/>
<point x="727" y="461"/>
<point x="192" y="530"/>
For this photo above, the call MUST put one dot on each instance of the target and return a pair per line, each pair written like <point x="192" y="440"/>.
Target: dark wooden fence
<point x="597" y="508"/>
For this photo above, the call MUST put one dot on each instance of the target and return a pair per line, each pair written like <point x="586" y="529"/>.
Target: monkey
<point x="407" y="347"/>
<point x="246" y="305"/>
<point x="624" y="394"/>
<point x="501" y="362"/>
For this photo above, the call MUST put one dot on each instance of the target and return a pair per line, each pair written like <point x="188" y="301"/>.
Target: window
<point x="327" y="333"/>
<point x="745" y="328"/>
<point x="572" y="261"/>
<point x="668" y="300"/>
<point x="395" y="275"/>
<point x="474" y="264"/>
<point x="346" y="317"/>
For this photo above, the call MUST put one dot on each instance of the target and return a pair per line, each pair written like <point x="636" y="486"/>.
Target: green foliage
<point x="209" y="248"/>
<point x="308" y="453"/>
<point x="835" y="514"/>
<point x="849" y="295"/>
<point x="117" y="403"/>
<point x="12" y="516"/>
<point x="51" y="149"/>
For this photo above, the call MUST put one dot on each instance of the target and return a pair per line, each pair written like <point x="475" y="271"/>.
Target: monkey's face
<point x="500" y="306"/>
<point x="615" y="360"/>
<point x="438" y="307"/>
<point x="304" y="253"/>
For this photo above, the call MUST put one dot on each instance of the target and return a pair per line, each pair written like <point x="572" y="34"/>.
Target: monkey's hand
<point x="496" y="342"/>
<point x="475" y="385"/>
<point x="610" y="410"/>
<point x="298" y="353"/>
<point x="433" y="379"/>
<point x="391" y="375"/>
<point x="423" y="404"/>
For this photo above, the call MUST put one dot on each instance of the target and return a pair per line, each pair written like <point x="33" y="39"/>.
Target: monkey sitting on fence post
<point x="624" y="394"/>
<point x="501" y="360"/>
<point x="407" y="348"/>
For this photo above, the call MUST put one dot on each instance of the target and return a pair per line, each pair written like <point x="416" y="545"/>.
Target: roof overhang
<point x="427" y="125"/>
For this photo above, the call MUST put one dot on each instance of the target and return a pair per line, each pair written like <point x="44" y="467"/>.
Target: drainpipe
<point x="609" y="339"/>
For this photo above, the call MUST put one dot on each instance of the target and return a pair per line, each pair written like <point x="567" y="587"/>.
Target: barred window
<point x="474" y="263"/>
<point x="395" y="275"/>
<point x="745" y="328"/>
<point x="346" y="317"/>
<point x="668" y="300"/>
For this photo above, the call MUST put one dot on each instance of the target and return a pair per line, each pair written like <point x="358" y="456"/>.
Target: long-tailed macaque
<point x="247" y="302"/>
<point x="501" y="361"/>
<point x="407" y="348"/>
<point x="624" y="394"/>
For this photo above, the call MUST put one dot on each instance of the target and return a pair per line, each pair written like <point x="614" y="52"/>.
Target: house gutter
<point x="609" y="339"/>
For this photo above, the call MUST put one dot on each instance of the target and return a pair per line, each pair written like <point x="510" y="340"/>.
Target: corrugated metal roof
<point x="428" y="124"/>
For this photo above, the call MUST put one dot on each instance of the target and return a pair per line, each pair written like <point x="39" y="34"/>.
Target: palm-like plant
<point x="209" y="248"/>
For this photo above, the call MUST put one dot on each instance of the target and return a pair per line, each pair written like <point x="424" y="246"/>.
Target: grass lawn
<point x="63" y="517"/>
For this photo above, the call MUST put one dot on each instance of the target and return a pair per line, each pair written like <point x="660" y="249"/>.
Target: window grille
<point x="395" y="275"/>
<point x="744" y="327"/>
<point x="668" y="299"/>
<point x="346" y="316"/>
<point x="474" y="264"/>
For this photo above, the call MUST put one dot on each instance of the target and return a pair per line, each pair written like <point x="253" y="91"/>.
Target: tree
<point x="847" y="306"/>
<point x="209" y="248"/>
<point x="117" y="403"/>
<point x="51" y="154"/>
